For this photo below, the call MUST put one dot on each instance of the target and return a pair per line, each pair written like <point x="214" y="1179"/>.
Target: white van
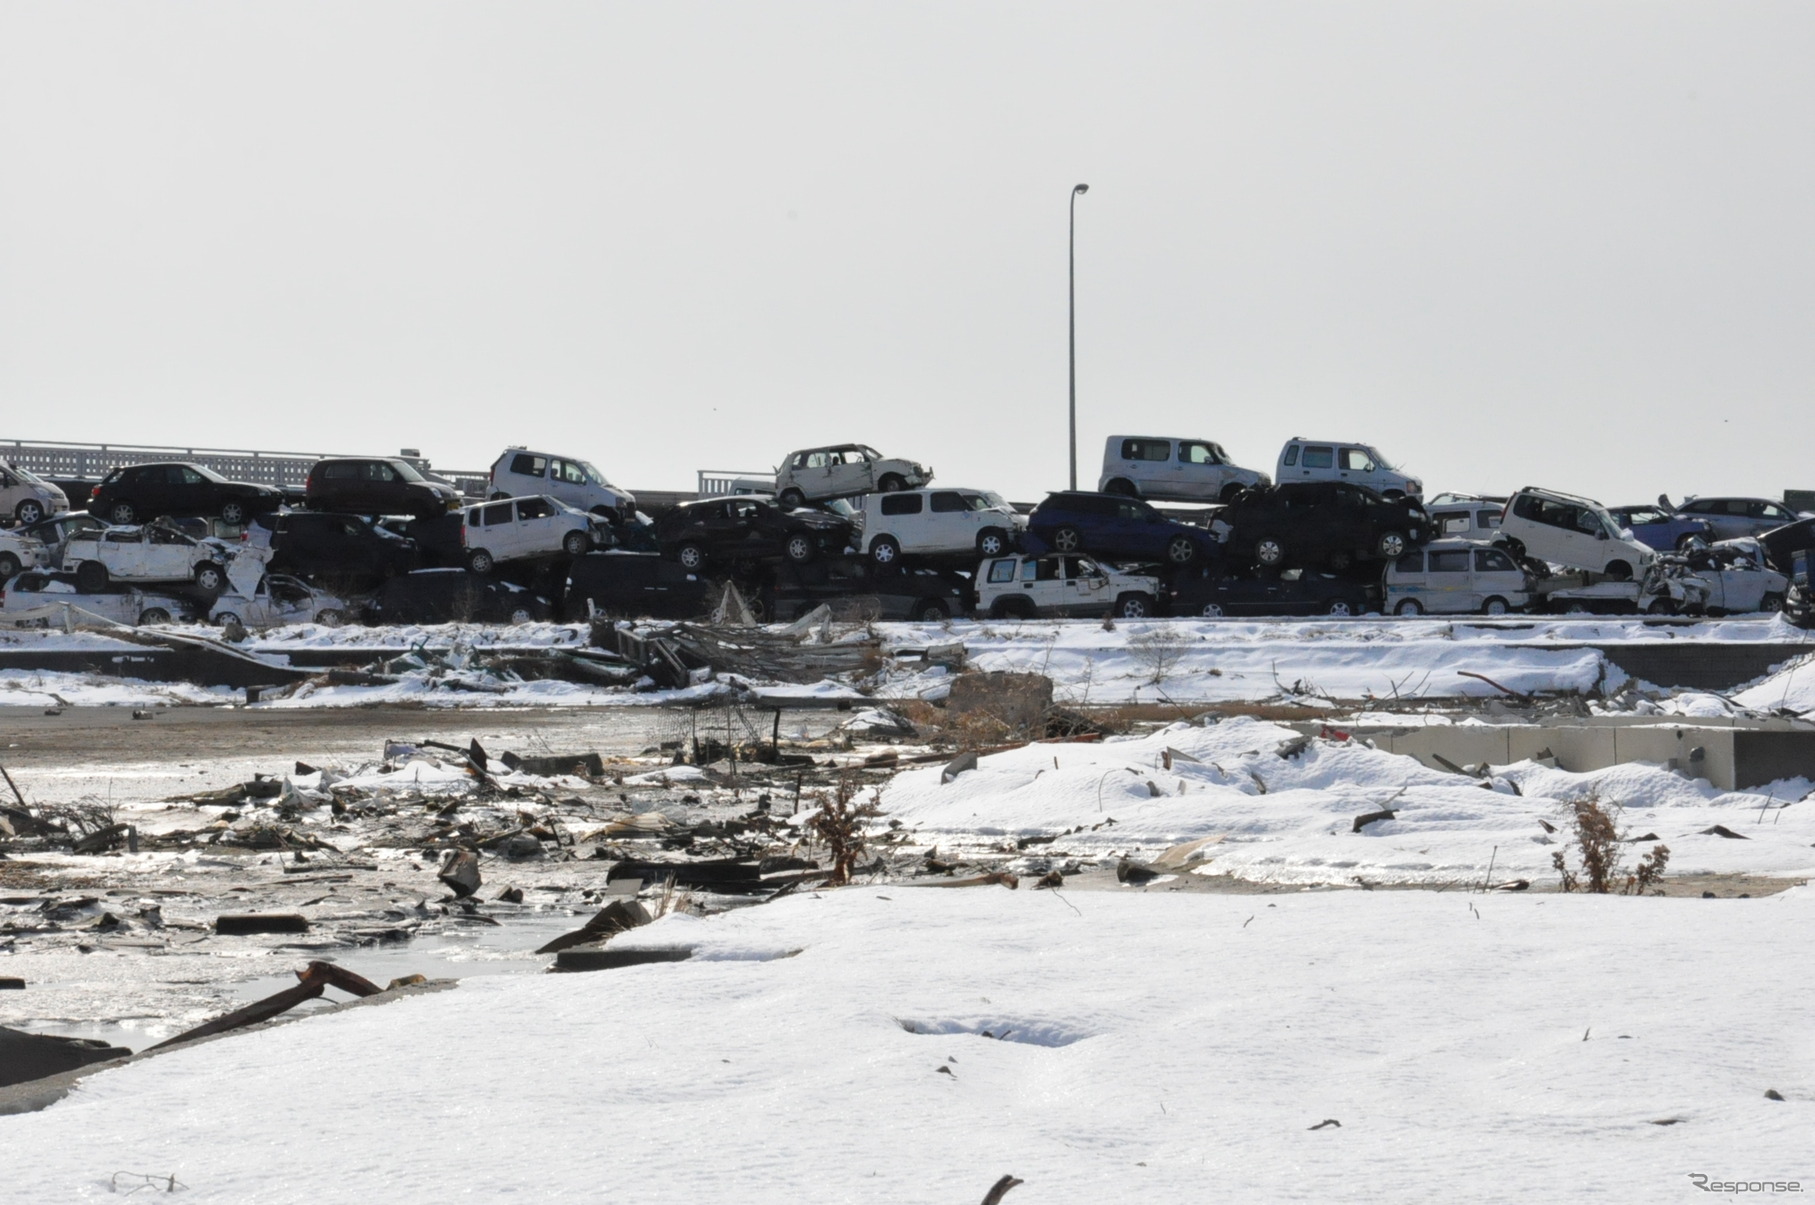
<point x="1456" y="576"/>
<point x="26" y="499"/>
<point x="516" y="529"/>
<point x="1577" y="533"/>
<point x="519" y="472"/>
<point x="1172" y="470"/>
<point x="931" y="522"/>
<point x="1333" y="460"/>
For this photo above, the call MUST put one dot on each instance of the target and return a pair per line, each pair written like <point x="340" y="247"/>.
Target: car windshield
<point x="868" y="452"/>
<point x="592" y="474"/>
<point x="25" y="475"/>
<point x="405" y="470"/>
<point x="1380" y="462"/>
<point x="985" y="501"/>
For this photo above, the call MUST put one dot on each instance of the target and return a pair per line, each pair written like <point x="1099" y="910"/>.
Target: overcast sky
<point x="1564" y="244"/>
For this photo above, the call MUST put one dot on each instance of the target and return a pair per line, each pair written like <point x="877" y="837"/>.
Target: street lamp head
<point x="1081" y="188"/>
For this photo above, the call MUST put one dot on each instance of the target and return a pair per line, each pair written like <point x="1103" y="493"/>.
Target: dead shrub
<point x="1598" y="841"/>
<point x="839" y="826"/>
<point x="1158" y="650"/>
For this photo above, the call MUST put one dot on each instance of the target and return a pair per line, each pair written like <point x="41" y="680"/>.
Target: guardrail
<point x="286" y="470"/>
<point x="715" y="482"/>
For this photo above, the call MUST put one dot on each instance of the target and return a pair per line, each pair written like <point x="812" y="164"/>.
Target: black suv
<point x="879" y="592"/>
<point x="347" y="548"/>
<point x="744" y="528"/>
<point x="634" y="584"/>
<point x="147" y="491"/>
<point x="1322" y="523"/>
<point x="385" y="485"/>
<point x="454" y="596"/>
<point x="1115" y="528"/>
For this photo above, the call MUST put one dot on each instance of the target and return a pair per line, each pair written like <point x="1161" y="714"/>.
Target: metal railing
<point x="716" y="482"/>
<point x="286" y="470"/>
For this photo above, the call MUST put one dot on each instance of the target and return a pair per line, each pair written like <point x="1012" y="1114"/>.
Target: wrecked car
<point x="28" y="498"/>
<point x="1728" y="578"/>
<point x="747" y="528"/>
<point x="455" y="596"/>
<point x="1563" y="529"/>
<point x="1319" y="524"/>
<point x="1173" y="470"/>
<point x="54" y="533"/>
<point x="18" y="551"/>
<point x="935" y="522"/>
<point x="343" y="549"/>
<point x="519" y="529"/>
<point x="32" y="591"/>
<point x="520" y="472"/>
<point x="378" y="485"/>
<point x="843" y="471"/>
<point x="1450" y="577"/>
<point x="178" y="489"/>
<point x="1207" y="591"/>
<point x="156" y="552"/>
<point x="1662" y="529"/>
<point x="909" y="592"/>
<point x="1116" y="528"/>
<point x="1062" y="585"/>
<point x="279" y="600"/>
<point x="1734" y="517"/>
<point x="633" y="585"/>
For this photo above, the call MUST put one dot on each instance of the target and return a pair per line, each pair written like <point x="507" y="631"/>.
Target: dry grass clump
<point x="1598" y="842"/>
<point x="839" y="826"/>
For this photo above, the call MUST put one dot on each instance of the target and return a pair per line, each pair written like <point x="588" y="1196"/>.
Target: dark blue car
<point x="1115" y="528"/>
<point x="1664" y="530"/>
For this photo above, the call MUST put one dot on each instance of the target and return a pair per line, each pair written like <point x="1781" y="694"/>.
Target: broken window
<point x="1492" y="560"/>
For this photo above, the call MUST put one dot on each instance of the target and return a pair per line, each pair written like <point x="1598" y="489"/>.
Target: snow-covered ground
<point x="912" y="1045"/>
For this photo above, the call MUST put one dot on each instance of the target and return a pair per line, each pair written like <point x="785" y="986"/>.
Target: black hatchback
<point x="380" y="485"/>
<point x="1321" y="523"/>
<point x="350" y="549"/>
<point x="176" y="488"/>
<point x="746" y="528"/>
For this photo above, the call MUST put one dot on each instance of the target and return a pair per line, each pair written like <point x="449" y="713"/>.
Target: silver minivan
<point x="1448" y="577"/>
<point x="1332" y="460"/>
<point x="1169" y="469"/>
<point x="28" y="498"/>
<point x="520" y="472"/>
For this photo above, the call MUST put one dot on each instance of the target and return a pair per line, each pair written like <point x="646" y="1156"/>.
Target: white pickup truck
<point x="1061" y="584"/>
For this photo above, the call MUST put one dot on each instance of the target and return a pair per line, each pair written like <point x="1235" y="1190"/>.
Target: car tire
<point x="1181" y="550"/>
<point x="1661" y="606"/>
<point x="1230" y="493"/>
<point x="1771" y="603"/>
<point x="153" y="615"/>
<point x="799" y="548"/>
<point x="1495" y="606"/>
<point x="480" y="562"/>
<point x="892" y="483"/>
<point x="28" y="512"/>
<point x="122" y="514"/>
<point x="221" y="619"/>
<point x="1269" y="551"/>
<point x="930" y="610"/>
<point x="210" y="578"/>
<point x="1409" y="606"/>
<point x="1577" y="608"/>
<point x="1391" y="545"/>
<point x="1134" y="606"/>
<point x="1011" y="608"/>
<point x="1122" y="486"/>
<point x="691" y="556"/>
<point x="1341" y="607"/>
<point x="576" y="543"/>
<point x="9" y="565"/>
<point x="520" y="615"/>
<point x="1619" y="571"/>
<point x="91" y="577"/>
<point x="885" y="550"/>
<point x="233" y="514"/>
<point x="1068" y="539"/>
<point x="791" y="499"/>
<point x="992" y="541"/>
<point x="331" y="617"/>
<point x="1213" y="610"/>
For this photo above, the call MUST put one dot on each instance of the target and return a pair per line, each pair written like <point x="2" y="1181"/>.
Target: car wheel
<point x="892" y="483"/>
<point x="9" y="565"/>
<point x="221" y="618"/>
<point x="799" y="548"/>
<point x="1661" y="606"/>
<point x="209" y="579"/>
<point x="1122" y="486"/>
<point x="1011" y="608"/>
<point x="884" y="550"/>
<point x="522" y="615"/>
<point x="1619" y="571"/>
<point x="1771" y="603"/>
<point x="1230" y="493"/>
<point x="331" y="617"/>
<point x="233" y="513"/>
<point x="1180" y="550"/>
<point x="991" y="542"/>
<point x="1212" y="610"/>
<point x="792" y="499"/>
<point x="1495" y="606"/>
<point x="28" y="512"/>
<point x="691" y="556"/>
<point x="91" y="577"/>
<point x="1577" y="608"/>
<point x="153" y="615"/>
<point x="1134" y="606"/>
<point x="122" y="514"/>
<point x="1341" y="606"/>
<point x="480" y="562"/>
<point x="1409" y="606"/>
<point x="1391" y="545"/>
<point x="929" y="610"/>
<point x="1068" y="539"/>
<point x="1269" y="551"/>
<point x="575" y="543"/>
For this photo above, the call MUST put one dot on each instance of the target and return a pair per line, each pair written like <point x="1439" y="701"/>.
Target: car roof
<point x="1559" y="494"/>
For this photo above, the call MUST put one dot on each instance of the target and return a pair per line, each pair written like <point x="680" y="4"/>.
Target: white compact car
<point x="1172" y="470"/>
<point x="1577" y="533"/>
<point x="26" y="498"/>
<point x="1061" y="584"/>
<point x="36" y="600"/>
<point x="1453" y="577"/>
<point x="843" y="471"/>
<point x="934" y="522"/>
<point x="520" y="472"/>
<point x="516" y="529"/>
<point x="19" y="552"/>
<point x="152" y="553"/>
<point x="1333" y="460"/>
<point x="280" y="599"/>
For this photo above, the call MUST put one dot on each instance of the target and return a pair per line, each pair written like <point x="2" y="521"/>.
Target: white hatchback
<point x="932" y="522"/>
<point x="520" y="472"/>
<point x="517" y="529"/>
<point x="1577" y="533"/>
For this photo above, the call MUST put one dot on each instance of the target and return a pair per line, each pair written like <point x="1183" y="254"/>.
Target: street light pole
<point x="1073" y="283"/>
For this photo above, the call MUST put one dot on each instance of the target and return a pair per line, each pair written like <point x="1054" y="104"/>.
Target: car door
<point x="170" y="555"/>
<point x="1316" y="462"/>
<point x="950" y="523"/>
<point x="535" y="531"/>
<point x="850" y="473"/>
<point x="1197" y="471"/>
<point x="1451" y="576"/>
<point x="190" y="492"/>
<point x="1497" y="576"/>
<point x="1083" y="587"/>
